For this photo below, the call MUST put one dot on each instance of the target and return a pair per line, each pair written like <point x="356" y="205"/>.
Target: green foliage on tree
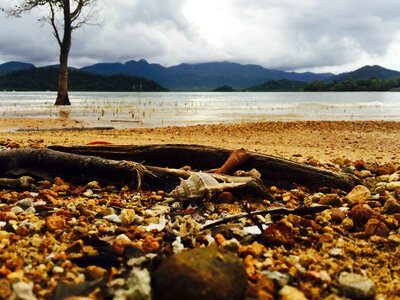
<point x="278" y="86"/>
<point x="370" y="84"/>
<point x="45" y="79"/>
<point x="224" y="88"/>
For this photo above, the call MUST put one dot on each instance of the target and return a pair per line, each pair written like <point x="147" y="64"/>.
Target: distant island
<point x="214" y="76"/>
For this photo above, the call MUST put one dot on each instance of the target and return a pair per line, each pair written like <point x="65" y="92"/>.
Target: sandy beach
<point x="322" y="140"/>
<point x="350" y="248"/>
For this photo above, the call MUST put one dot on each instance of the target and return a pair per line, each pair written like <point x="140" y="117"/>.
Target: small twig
<point x="252" y="217"/>
<point x="300" y="211"/>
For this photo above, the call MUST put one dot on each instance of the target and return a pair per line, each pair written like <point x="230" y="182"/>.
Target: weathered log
<point x="274" y="170"/>
<point x="59" y="163"/>
<point x="65" y="164"/>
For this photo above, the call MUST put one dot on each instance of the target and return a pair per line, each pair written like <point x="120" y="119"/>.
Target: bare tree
<point x="64" y="16"/>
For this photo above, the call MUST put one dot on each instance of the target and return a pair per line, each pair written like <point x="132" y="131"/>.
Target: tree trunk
<point x="65" y="46"/>
<point x="62" y="95"/>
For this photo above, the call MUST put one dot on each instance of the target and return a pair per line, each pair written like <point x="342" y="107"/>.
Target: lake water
<point x="185" y="108"/>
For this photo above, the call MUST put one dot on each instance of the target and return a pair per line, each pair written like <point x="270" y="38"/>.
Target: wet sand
<point x="322" y="140"/>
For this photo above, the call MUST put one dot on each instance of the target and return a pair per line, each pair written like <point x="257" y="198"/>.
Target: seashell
<point x="252" y="173"/>
<point x="235" y="159"/>
<point x="200" y="185"/>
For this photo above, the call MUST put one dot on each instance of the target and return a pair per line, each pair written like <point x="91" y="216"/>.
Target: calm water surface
<point x="185" y="108"/>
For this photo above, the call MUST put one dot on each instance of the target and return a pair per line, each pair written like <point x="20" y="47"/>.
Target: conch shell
<point x="235" y="159"/>
<point x="201" y="185"/>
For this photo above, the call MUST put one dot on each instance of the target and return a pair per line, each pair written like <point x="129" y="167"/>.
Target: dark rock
<point x="331" y="199"/>
<point x="392" y="206"/>
<point x="201" y="273"/>
<point x="279" y="233"/>
<point x="356" y="286"/>
<point x="376" y="227"/>
<point x="361" y="213"/>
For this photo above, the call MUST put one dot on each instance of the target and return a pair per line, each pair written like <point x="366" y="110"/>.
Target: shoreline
<point x="296" y="140"/>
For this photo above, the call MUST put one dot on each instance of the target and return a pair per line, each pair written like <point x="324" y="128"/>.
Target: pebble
<point x="113" y="218"/>
<point x="58" y="270"/>
<point x="361" y="213"/>
<point x="376" y="227"/>
<point x="17" y="210"/>
<point x="55" y="222"/>
<point x="279" y="233"/>
<point x="138" y="286"/>
<point x="94" y="272"/>
<point x="127" y="216"/>
<point x="25" y="203"/>
<point x="5" y="289"/>
<point x="336" y="252"/>
<point x="392" y="186"/>
<point x="331" y="199"/>
<point x="359" y="194"/>
<point x="24" y="290"/>
<point x="29" y="211"/>
<point x="356" y="286"/>
<point x="291" y="293"/>
<point x="281" y="279"/>
<point x="394" y="177"/>
<point x="392" y="206"/>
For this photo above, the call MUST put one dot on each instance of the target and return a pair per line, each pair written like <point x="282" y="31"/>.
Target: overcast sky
<point x="316" y="35"/>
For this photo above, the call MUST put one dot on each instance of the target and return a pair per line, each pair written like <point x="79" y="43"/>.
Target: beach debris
<point x="202" y="185"/>
<point x="201" y="273"/>
<point x="235" y="159"/>
<point x="99" y="143"/>
<point x="25" y="183"/>
<point x="273" y="170"/>
<point x="137" y="286"/>
<point x="270" y="211"/>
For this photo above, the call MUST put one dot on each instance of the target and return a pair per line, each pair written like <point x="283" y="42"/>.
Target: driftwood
<point x="274" y="170"/>
<point x="47" y="161"/>
<point x="40" y="163"/>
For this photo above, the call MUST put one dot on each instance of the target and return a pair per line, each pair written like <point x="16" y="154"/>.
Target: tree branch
<point x="300" y="211"/>
<point x="53" y="24"/>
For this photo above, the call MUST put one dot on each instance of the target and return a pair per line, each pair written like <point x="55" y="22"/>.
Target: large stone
<point x="202" y="273"/>
<point x="356" y="286"/>
<point x="359" y="194"/>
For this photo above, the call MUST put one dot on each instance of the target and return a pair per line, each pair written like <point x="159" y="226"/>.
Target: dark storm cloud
<point x="285" y="34"/>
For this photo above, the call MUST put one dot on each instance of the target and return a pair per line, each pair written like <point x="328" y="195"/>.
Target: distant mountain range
<point x="46" y="78"/>
<point x="209" y="76"/>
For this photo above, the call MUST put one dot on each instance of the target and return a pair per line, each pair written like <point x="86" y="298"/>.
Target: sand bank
<point x="323" y="140"/>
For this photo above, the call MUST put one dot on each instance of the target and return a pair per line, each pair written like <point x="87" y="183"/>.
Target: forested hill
<point x="367" y="72"/>
<point x="45" y="79"/>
